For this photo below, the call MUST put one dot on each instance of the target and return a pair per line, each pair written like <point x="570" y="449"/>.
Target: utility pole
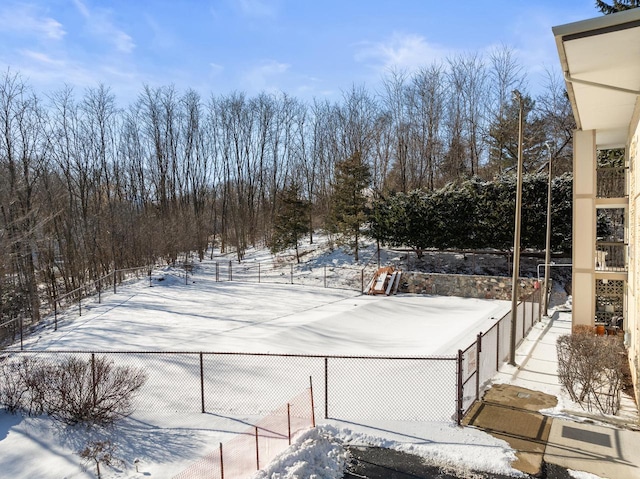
<point x="547" y="255"/>
<point x="515" y="281"/>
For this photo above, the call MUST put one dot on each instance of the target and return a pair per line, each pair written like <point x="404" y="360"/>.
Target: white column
<point x="584" y="227"/>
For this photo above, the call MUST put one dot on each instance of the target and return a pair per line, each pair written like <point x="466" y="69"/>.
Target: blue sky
<point x="306" y="48"/>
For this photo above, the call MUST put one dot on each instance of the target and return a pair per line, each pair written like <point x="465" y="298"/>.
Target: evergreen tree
<point x="616" y="6"/>
<point x="503" y="139"/>
<point x="476" y="215"/>
<point x="352" y="177"/>
<point x="290" y="222"/>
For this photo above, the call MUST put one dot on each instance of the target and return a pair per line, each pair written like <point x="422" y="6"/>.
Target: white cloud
<point x="41" y="57"/>
<point x="264" y="77"/>
<point x="401" y="51"/>
<point x="123" y="42"/>
<point x="82" y="8"/>
<point x="215" y="68"/>
<point x="99" y="24"/>
<point x="26" y="20"/>
<point x="51" y="28"/>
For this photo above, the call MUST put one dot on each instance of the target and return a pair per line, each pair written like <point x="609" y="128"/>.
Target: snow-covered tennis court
<point x="205" y="315"/>
<point x="208" y="316"/>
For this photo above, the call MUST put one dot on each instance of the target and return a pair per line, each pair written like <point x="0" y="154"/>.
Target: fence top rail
<point x="285" y="264"/>
<point x="94" y="281"/>
<point x="134" y="268"/>
<point x="9" y="322"/>
<point x="228" y="353"/>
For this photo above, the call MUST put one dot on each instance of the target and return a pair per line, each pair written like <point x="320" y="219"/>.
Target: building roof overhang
<point x="600" y="59"/>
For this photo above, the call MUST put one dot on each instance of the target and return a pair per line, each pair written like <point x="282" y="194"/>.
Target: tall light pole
<point x="547" y="254"/>
<point x="516" y="240"/>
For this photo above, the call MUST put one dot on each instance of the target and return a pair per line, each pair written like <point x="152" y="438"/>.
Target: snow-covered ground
<point x="210" y="316"/>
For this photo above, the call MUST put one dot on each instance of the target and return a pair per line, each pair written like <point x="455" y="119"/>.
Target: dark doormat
<point x="511" y="413"/>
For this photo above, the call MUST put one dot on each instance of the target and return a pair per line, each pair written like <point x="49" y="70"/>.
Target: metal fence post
<point x="257" y="452"/>
<point x="498" y="345"/>
<point x="478" y="351"/>
<point x="326" y="388"/>
<point x="55" y="314"/>
<point x="313" y="408"/>
<point x="325" y="275"/>
<point x="221" y="463"/>
<point x="94" y="386"/>
<point x="202" y="381"/>
<point x="459" y="401"/>
<point x="289" y="422"/>
<point x="230" y="271"/>
<point x="80" y="300"/>
<point x="291" y="273"/>
<point x="258" y="272"/>
<point x="115" y="273"/>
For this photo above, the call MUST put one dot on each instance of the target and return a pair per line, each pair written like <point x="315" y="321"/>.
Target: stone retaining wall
<point x="467" y="286"/>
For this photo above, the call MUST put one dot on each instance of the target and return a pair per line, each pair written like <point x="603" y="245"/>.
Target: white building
<point x="600" y="58"/>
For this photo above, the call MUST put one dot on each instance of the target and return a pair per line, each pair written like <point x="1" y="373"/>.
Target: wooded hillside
<point x="88" y="185"/>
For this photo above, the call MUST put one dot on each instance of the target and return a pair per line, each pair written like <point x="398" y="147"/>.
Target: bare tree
<point x="396" y="107"/>
<point x="506" y="75"/>
<point x="554" y="109"/>
<point x="22" y="164"/>
<point x="427" y="98"/>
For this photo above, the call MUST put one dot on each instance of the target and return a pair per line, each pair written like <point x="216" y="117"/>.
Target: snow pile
<point x="320" y="453"/>
<point x="315" y="454"/>
<point x="583" y="475"/>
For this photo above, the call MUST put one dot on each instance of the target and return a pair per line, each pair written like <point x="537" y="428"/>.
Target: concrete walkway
<point x="580" y="441"/>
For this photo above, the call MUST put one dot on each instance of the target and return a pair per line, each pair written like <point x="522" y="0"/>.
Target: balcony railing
<point x="612" y="182"/>
<point x="611" y="256"/>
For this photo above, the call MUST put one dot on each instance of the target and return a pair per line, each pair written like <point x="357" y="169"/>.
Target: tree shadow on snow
<point x="134" y="440"/>
<point x="7" y="421"/>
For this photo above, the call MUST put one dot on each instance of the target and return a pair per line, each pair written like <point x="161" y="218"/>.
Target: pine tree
<point x="352" y="177"/>
<point x="291" y="220"/>
<point x="616" y="6"/>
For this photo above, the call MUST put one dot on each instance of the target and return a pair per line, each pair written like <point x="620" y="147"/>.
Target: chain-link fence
<point x="185" y="389"/>
<point x="339" y="277"/>
<point x="328" y="276"/>
<point x="482" y="359"/>
<point x="94" y="289"/>
<point x="347" y="387"/>
<point x="14" y="329"/>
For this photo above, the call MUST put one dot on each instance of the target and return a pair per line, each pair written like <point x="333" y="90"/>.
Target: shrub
<point x="97" y="452"/>
<point x="14" y="384"/>
<point x="591" y="369"/>
<point x="73" y="391"/>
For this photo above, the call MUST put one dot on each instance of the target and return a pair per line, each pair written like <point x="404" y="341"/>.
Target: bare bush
<point x="73" y="391"/>
<point x="591" y="369"/>
<point x="100" y="452"/>
<point x="13" y="389"/>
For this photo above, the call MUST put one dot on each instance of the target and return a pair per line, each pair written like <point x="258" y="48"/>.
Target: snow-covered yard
<point x="208" y="316"/>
